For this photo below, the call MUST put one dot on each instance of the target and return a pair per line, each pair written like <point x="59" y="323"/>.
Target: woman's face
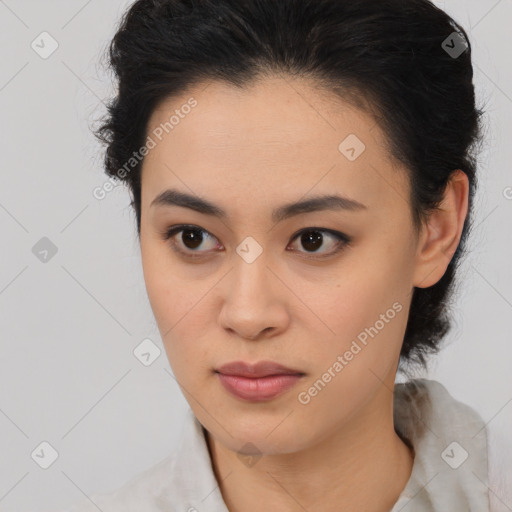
<point x="247" y="286"/>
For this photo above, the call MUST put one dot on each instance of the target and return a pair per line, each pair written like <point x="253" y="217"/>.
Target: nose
<point x="254" y="302"/>
<point x="259" y="334"/>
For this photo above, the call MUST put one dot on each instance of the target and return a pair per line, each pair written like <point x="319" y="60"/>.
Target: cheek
<point x="179" y="313"/>
<point x="368" y="320"/>
<point x="163" y="288"/>
<point x="366" y="303"/>
<point x="164" y="282"/>
<point x="159" y="286"/>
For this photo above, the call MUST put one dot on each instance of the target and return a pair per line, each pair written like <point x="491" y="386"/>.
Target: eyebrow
<point x="172" y="197"/>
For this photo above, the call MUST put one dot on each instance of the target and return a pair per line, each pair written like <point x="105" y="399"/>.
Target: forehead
<point x="278" y="136"/>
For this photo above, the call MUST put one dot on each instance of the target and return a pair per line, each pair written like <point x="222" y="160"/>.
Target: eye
<point x="311" y="238"/>
<point x="192" y="237"/>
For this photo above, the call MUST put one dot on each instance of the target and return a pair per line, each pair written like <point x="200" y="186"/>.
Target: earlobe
<point x="441" y="233"/>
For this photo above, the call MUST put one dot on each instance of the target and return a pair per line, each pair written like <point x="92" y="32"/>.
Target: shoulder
<point x="421" y="404"/>
<point x="427" y="403"/>
<point x="500" y="461"/>
<point x="430" y="400"/>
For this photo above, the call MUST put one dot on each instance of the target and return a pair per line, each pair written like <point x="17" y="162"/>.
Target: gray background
<point x="69" y="326"/>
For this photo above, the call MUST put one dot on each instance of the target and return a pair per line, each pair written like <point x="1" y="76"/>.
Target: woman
<point x="302" y="174"/>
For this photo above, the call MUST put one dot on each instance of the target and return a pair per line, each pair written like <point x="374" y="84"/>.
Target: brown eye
<point x="191" y="238"/>
<point x="314" y="239"/>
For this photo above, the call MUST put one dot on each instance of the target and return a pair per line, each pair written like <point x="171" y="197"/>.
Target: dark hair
<point x="396" y="59"/>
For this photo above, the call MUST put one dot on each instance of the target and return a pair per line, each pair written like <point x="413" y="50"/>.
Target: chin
<point x="264" y="439"/>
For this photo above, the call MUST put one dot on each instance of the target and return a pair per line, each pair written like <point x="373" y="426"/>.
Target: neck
<point x="365" y="454"/>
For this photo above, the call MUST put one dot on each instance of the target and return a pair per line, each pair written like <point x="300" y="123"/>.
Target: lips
<point x="258" y="382"/>
<point x="257" y="370"/>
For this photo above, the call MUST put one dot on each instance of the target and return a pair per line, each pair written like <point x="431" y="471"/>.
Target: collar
<point x="450" y="470"/>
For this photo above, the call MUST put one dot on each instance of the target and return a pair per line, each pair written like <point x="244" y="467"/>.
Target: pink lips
<point x="259" y="382"/>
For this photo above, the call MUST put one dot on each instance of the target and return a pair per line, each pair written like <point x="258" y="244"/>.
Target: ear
<point x="440" y="235"/>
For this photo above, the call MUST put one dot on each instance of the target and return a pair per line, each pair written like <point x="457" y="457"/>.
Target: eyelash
<point x="343" y="240"/>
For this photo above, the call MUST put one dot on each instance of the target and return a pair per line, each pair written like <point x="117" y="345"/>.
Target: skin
<point x="250" y="151"/>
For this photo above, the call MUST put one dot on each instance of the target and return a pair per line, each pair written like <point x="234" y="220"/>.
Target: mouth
<point x="258" y="382"/>
<point x="257" y="370"/>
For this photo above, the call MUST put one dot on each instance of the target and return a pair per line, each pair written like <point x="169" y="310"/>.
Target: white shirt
<point x="450" y="469"/>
